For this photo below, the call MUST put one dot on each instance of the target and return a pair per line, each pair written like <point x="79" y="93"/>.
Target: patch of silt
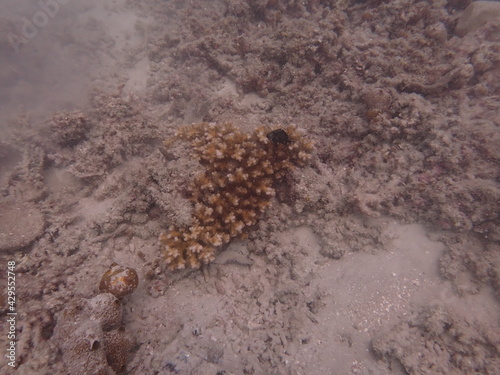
<point x="20" y="225"/>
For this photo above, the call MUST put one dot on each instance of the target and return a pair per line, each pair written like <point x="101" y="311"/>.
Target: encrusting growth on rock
<point x="235" y="188"/>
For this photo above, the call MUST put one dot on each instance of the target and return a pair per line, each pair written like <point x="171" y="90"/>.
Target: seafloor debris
<point x="119" y="281"/>
<point x="68" y="129"/>
<point x="438" y="339"/>
<point x="235" y="188"/>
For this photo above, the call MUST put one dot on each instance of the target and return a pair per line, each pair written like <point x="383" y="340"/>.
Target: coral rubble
<point x="235" y="188"/>
<point x="69" y="129"/>
<point x="438" y="339"/>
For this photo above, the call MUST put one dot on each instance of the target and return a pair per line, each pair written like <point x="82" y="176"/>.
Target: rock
<point x="20" y="225"/>
<point x="477" y="14"/>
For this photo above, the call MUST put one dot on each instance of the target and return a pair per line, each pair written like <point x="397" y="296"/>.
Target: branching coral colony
<point x="235" y="188"/>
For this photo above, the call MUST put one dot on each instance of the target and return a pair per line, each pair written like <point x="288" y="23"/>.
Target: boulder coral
<point x="235" y="187"/>
<point x="91" y="338"/>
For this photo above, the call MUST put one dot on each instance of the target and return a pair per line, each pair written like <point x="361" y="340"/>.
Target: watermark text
<point x="11" y="313"/>
<point x="31" y="25"/>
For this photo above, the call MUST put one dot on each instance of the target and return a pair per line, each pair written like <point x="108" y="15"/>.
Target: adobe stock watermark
<point x="451" y="293"/>
<point x="32" y="25"/>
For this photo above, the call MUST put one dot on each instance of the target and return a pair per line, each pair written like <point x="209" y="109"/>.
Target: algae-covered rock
<point x="69" y="128"/>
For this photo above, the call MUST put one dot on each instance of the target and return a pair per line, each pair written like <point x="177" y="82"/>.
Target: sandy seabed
<point x="380" y="257"/>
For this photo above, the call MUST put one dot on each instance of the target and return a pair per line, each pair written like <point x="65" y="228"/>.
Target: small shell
<point x="119" y="280"/>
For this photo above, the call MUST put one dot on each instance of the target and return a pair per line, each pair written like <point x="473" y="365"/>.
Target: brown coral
<point x="233" y="191"/>
<point x="91" y="338"/>
<point x="118" y="346"/>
